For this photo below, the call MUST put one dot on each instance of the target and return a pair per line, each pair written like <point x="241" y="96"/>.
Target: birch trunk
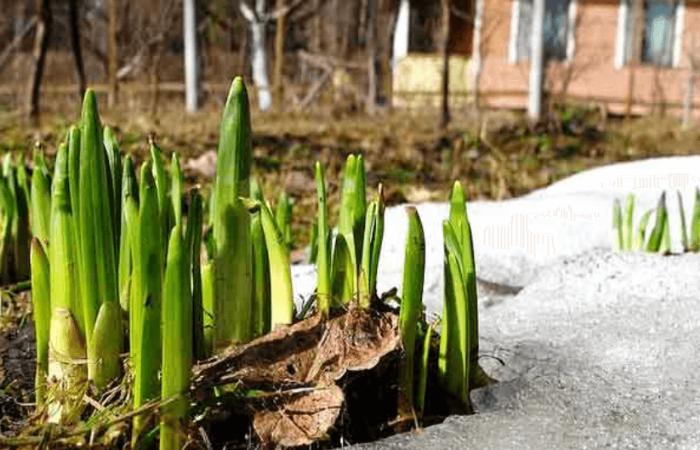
<point x="401" y="34"/>
<point x="259" y="59"/>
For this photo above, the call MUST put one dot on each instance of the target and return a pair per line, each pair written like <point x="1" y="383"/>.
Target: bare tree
<point x="42" y="10"/>
<point x="257" y="18"/>
<point x="113" y="63"/>
<point x="389" y="12"/>
<point x="371" y="57"/>
<point x="16" y="42"/>
<point x="317" y="27"/>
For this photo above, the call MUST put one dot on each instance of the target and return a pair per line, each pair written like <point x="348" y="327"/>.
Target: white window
<point x="662" y="33"/>
<point x="558" y="30"/>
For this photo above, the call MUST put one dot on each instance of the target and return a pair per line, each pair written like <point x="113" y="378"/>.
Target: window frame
<point x="622" y="36"/>
<point x="514" y="58"/>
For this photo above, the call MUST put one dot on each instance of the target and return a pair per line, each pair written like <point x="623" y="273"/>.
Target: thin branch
<point x="462" y="14"/>
<point x="16" y="41"/>
<point x="250" y="15"/>
<point x="285" y="11"/>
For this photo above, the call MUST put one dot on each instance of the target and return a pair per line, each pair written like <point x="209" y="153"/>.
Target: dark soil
<point x="17" y="365"/>
<point x="316" y="384"/>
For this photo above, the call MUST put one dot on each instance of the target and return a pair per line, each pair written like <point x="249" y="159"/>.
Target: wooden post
<point x="278" y="88"/>
<point x="113" y="61"/>
<point x="190" y="37"/>
<point x="445" y="116"/>
<point x="42" y="10"/>
<point x="534" y="105"/>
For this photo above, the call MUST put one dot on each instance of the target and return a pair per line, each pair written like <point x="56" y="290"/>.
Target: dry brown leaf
<point x="311" y="352"/>
<point x="301" y="418"/>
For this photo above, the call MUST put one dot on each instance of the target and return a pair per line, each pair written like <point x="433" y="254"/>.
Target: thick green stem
<point x="193" y="241"/>
<point x="41" y="305"/>
<point x="323" y="263"/>
<point x="177" y="352"/>
<point x="685" y="243"/>
<point x="261" y="273"/>
<point x="145" y="309"/>
<point x="619" y="240"/>
<point x="96" y="237"/>
<point x="411" y="306"/>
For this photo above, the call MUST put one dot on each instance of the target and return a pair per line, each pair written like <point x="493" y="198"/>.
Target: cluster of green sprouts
<point x="626" y="238"/>
<point x="14" y="220"/>
<point x="114" y="253"/>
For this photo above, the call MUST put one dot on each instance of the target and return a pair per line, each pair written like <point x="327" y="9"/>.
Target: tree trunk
<point x="41" y="45"/>
<point x="445" y="116"/>
<point x="155" y="80"/>
<point x="350" y="11"/>
<point x="259" y="59"/>
<point x="636" y="57"/>
<point x="317" y="37"/>
<point x="534" y="105"/>
<point x="190" y="37"/>
<point x="113" y="53"/>
<point x="335" y="29"/>
<point x="243" y="53"/>
<point x="389" y="14"/>
<point x="279" y="57"/>
<point x="371" y="57"/>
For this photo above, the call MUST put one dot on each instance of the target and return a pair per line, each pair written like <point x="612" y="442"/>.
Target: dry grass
<point x="405" y="152"/>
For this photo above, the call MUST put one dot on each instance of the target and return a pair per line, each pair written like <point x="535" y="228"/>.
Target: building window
<point x="557" y="29"/>
<point x="661" y="36"/>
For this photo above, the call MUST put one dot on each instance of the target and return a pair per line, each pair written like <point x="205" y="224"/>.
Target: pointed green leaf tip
<point x="232" y="264"/>
<point x="89" y="113"/>
<point x="237" y="114"/>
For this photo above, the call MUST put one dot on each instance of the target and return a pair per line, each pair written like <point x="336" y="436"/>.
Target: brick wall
<point x="593" y="75"/>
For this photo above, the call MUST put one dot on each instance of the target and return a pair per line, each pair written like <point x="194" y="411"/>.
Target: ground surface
<point x="579" y="354"/>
